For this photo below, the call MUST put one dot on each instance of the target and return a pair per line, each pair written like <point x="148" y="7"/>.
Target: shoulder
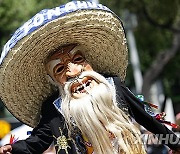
<point x="48" y="106"/>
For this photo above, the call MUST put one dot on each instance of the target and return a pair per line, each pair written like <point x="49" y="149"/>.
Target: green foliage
<point x="154" y="34"/>
<point x="163" y="11"/>
<point x="13" y="13"/>
<point x="171" y="78"/>
<point x="153" y="43"/>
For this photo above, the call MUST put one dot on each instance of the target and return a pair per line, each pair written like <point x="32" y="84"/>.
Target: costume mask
<point x="66" y="63"/>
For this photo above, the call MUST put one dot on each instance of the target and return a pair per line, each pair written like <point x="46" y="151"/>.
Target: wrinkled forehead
<point x="59" y="56"/>
<point x="68" y="49"/>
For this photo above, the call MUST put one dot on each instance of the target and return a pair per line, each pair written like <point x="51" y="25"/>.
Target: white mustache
<point x="96" y="76"/>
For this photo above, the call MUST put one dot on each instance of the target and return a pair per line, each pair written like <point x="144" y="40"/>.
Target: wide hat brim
<point x="96" y="29"/>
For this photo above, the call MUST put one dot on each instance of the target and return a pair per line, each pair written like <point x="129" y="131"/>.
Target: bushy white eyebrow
<point x="74" y="50"/>
<point x="53" y="63"/>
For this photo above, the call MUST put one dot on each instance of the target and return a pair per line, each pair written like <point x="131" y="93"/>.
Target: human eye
<point x="78" y="58"/>
<point x="59" y="69"/>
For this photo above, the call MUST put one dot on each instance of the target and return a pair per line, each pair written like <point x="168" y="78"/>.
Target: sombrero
<point x="92" y="26"/>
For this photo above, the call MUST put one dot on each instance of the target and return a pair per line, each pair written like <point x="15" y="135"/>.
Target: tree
<point x="157" y="37"/>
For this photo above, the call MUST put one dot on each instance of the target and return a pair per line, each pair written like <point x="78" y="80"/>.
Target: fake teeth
<point x="82" y="88"/>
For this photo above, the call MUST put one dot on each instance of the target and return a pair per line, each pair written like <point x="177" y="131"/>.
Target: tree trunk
<point x="158" y="65"/>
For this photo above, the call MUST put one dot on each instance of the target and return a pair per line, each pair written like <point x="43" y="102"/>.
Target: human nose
<point x="74" y="70"/>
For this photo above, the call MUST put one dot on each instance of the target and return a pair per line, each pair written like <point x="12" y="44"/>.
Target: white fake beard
<point x="97" y="115"/>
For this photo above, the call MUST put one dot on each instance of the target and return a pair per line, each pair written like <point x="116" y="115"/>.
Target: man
<point x="87" y="103"/>
<point x="80" y="110"/>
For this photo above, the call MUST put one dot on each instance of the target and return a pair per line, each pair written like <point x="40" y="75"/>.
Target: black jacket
<point x="52" y="127"/>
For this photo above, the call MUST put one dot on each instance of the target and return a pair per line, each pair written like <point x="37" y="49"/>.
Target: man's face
<point x="68" y="63"/>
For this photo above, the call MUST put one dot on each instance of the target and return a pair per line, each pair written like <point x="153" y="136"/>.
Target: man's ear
<point x="51" y="80"/>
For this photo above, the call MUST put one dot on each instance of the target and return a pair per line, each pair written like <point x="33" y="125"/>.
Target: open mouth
<point x="83" y="86"/>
